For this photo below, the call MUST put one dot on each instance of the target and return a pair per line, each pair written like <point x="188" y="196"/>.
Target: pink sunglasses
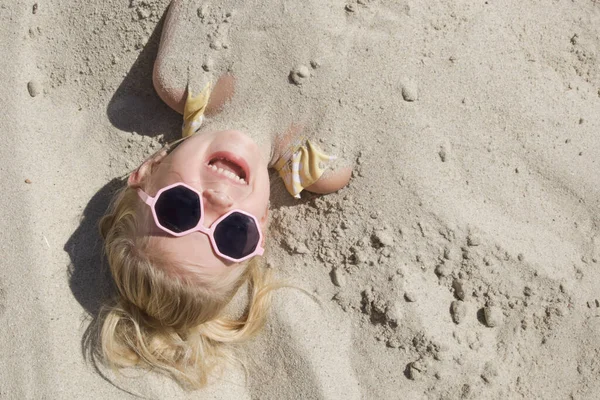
<point x="178" y="210"/>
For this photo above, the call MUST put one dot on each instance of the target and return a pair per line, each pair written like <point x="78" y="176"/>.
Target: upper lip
<point x="240" y="161"/>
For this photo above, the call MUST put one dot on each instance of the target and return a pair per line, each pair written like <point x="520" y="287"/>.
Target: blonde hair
<point x="170" y="322"/>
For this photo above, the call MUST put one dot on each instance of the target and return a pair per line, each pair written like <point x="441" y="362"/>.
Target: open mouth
<point x="230" y="166"/>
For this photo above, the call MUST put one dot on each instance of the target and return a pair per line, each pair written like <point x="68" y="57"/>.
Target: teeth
<point x="228" y="174"/>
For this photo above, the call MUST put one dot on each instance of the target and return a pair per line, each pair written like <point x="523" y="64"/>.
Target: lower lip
<point x="234" y="158"/>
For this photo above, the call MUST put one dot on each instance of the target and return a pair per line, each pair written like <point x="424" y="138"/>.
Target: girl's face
<point x="227" y="168"/>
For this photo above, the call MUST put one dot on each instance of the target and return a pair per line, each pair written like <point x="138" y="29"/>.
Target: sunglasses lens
<point x="178" y="209"/>
<point x="237" y="236"/>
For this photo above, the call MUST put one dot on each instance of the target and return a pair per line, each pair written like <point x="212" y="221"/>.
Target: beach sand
<point x="462" y="261"/>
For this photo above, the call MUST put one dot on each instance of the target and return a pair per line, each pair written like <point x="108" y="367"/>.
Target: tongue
<point x="229" y="166"/>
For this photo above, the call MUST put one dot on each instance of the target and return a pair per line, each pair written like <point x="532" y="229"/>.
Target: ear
<point x="263" y="225"/>
<point x="263" y="220"/>
<point x="143" y="171"/>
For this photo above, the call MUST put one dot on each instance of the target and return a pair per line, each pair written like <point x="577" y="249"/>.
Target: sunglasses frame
<point x="151" y="201"/>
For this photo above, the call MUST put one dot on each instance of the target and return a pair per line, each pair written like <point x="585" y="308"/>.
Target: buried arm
<point x="330" y="181"/>
<point x="169" y="77"/>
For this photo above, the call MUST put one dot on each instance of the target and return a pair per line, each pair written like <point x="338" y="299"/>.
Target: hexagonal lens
<point x="237" y="235"/>
<point x="178" y="209"/>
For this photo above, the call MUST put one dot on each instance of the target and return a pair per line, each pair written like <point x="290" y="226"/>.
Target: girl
<point x="190" y="226"/>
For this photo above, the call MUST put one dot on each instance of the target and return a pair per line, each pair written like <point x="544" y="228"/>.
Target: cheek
<point x="260" y="199"/>
<point x="265" y="190"/>
<point x="159" y="177"/>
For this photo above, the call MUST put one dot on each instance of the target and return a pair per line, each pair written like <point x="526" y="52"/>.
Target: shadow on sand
<point x="135" y="106"/>
<point x="89" y="277"/>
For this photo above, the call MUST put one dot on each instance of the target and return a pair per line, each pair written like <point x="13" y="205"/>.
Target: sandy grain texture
<point x="462" y="260"/>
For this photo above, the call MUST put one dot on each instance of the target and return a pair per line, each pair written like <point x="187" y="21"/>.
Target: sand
<point x="462" y="260"/>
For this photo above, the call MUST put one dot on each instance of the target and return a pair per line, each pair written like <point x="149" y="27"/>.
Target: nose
<point x="220" y="201"/>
